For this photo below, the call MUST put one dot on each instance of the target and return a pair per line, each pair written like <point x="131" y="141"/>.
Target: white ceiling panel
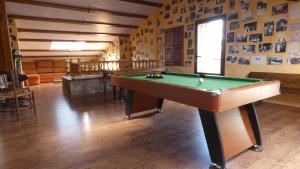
<point x="31" y="10"/>
<point x="58" y="53"/>
<point x="47" y="45"/>
<point x="29" y="35"/>
<point x="70" y="27"/>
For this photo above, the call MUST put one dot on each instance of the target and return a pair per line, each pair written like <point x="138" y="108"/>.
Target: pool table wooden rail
<point x="206" y="100"/>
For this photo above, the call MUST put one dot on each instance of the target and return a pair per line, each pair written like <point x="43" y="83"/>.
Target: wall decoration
<point x="274" y="60"/>
<point x="233" y="16"/>
<point x="190" y="51"/>
<point x="190" y="43"/>
<point x="218" y="10"/>
<point x="255" y="37"/>
<point x="281" y="25"/>
<point x="192" y="8"/>
<point x="190" y="57"/>
<point x="293" y="47"/>
<point x="231" y="59"/>
<point x="249" y="48"/>
<point x="190" y="27"/>
<point x="231" y="4"/>
<point x="269" y="29"/>
<point x="261" y="7"/>
<point x="245" y="4"/>
<point x="167" y="16"/>
<point x="233" y="49"/>
<point x="183" y="10"/>
<point x="280" y="9"/>
<point x="234" y="25"/>
<point x="187" y="20"/>
<point x="258" y="60"/>
<point x="280" y="45"/>
<point x="167" y="7"/>
<point x="220" y="1"/>
<point x="188" y="63"/>
<point x="265" y="47"/>
<point x="192" y="16"/>
<point x="207" y="10"/>
<point x="244" y="60"/>
<point x="248" y="16"/>
<point x="230" y="37"/>
<point x="241" y="38"/>
<point x="175" y="10"/>
<point x="294" y="37"/>
<point x="174" y="2"/>
<point x="294" y="59"/>
<point x="187" y="34"/>
<point x="179" y="19"/>
<point x="249" y="27"/>
<point x="294" y="11"/>
<point x="294" y="27"/>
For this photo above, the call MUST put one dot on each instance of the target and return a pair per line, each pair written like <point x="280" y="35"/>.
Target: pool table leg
<point x="213" y="138"/>
<point x="138" y="102"/>
<point x="255" y="127"/>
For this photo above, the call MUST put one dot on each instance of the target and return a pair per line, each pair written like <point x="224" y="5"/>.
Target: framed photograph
<point x="258" y="60"/>
<point x="261" y="7"/>
<point x="265" y="47"/>
<point x="294" y="60"/>
<point x="280" y="46"/>
<point x="230" y="37"/>
<point x="245" y="4"/>
<point x="234" y="25"/>
<point x="249" y="48"/>
<point x="255" y="37"/>
<point x="220" y="1"/>
<point x="244" y="60"/>
<point x="233" y="49"/>
<point x="233" y="16"/>
<point x="190" y="51"/>
<point x="274" y="60"/>
<point x="280" y="9"/>
<point x="249" y="27"/>
<point x="231" y="59"/>
<point x="207" y="10"/>
<point x="241" y="38"/>
<point x="231" y="4"/>
<point x="281" y="25"/>
<point x="218" y="10"/>
<point x="190" y="43"/>
<point x="269" y="29"/>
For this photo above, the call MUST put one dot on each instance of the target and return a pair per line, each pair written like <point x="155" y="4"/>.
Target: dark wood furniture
<point x="290" y="83"/>
<point x="228" y="116"/>
<point x="174" y="46"/>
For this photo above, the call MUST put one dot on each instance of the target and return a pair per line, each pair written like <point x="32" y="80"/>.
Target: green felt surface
<point x="210" y="82"/>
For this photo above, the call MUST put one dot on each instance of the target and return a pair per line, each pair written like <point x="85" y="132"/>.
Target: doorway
<point x="210" y="46"/>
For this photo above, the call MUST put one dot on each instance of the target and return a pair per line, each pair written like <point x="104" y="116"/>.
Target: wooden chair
<point x="16" y="98"/>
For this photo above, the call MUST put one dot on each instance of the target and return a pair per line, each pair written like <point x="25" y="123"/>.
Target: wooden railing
<point x="97" y="66"/>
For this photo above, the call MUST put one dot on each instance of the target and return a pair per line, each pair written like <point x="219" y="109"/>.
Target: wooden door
<point x="174" y="46"/>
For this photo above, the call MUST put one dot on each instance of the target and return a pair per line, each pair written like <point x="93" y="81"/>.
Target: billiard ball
<point x="201" y="80"/>
<point x="148" y="76"/>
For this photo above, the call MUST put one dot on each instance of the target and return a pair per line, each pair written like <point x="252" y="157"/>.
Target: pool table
<point x="225" y="105"/>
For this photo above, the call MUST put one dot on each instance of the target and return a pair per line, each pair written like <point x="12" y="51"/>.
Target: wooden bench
<point x="290" y="87"/>
<point x="290" y="83"/>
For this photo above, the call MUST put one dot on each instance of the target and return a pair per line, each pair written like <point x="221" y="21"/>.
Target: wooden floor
<point x="89" y="133"/>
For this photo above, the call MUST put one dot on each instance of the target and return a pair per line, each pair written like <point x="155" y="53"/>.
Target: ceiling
<point x="98" y="22"/>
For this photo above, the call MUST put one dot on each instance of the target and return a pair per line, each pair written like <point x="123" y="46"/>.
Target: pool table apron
<point x="229" y="120"/>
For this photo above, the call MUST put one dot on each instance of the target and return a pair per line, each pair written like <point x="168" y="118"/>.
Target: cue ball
<point x="201" y="80"/>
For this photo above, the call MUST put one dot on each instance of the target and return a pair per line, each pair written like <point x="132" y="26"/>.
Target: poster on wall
<point x="249" y="27"/>
<point x="274" y="60"/>
<point x="294" y="59"/>
<point x="255" y="37"/>
<point x="258" y="60"/>
<point x="244" y="60"/>
<point x="231" y="59"/>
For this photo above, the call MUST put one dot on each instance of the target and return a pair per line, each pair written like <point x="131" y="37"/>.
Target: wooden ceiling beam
<point x="61" y="40"/>
<point x="61" y="56"/>
<point x="48" y="50"/>
<point x="146" y="3"/>
<point x="31" y="18"/>
<point x="69" y="32"/>
<point x="78" y="9"/>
